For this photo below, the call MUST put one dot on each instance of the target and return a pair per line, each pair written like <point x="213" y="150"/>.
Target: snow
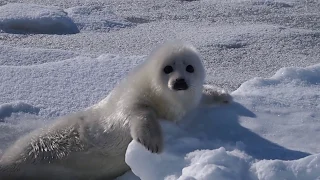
<point x="305" y="168"/>
<point x="58" y="57"/>
<point x="15" y="56"/>
<point x="6" y="110"/>
<point x="30" y="18"/>
<point x="96" y="18"/>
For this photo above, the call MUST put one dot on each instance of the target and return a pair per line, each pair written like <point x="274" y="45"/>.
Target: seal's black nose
<point x="180" y="84"/>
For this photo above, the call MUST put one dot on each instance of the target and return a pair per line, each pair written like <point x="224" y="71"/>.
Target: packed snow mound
<point x="306" y="168"/>
<point x="8" y="108"/>
<point x="197" y="165"/>
<point x="296" y="88"/>
<point x="216" y="143"/>
<point x="96" y="18"/>
<point x="37" y="19"/>
<point x="309" y="75"/>
<point x="220" y="163"/>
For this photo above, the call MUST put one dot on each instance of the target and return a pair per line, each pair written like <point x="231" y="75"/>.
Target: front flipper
<point x="212" y="96"/>
<point x="145" y="128"/>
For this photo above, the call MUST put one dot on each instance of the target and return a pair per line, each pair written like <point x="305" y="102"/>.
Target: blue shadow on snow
<point x="222" y="124"/>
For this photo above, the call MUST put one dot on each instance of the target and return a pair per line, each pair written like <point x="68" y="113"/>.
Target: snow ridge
<point x="35" y="19"/>
<point x="8" y="108"/>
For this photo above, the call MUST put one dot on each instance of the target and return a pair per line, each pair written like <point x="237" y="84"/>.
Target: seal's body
<point x="91" y="144"/>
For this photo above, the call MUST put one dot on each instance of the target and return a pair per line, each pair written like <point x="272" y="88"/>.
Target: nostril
<point x="180" y="84"/>
<point x="180" y="80"/>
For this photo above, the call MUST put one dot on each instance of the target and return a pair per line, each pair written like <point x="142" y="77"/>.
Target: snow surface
<point x="96" y="18"/>
<point x="30" y="18"/>
<point x="266" y="52"/>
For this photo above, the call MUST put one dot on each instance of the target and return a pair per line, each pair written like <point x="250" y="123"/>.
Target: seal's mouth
<point x="180" y="85"/>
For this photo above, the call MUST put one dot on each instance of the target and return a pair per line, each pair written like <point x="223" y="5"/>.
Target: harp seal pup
<point x="91" y="144"/>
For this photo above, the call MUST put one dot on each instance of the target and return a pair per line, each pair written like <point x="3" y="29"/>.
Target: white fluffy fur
<point x="91" y="144"/>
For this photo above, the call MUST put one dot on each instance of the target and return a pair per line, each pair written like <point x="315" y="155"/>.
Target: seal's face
<point x="182" y="71"/>
<point x="177" y="75"/>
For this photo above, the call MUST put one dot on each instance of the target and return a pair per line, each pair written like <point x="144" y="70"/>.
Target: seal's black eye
<point x="190" y="69"/>
<point x="168" y="69"/>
